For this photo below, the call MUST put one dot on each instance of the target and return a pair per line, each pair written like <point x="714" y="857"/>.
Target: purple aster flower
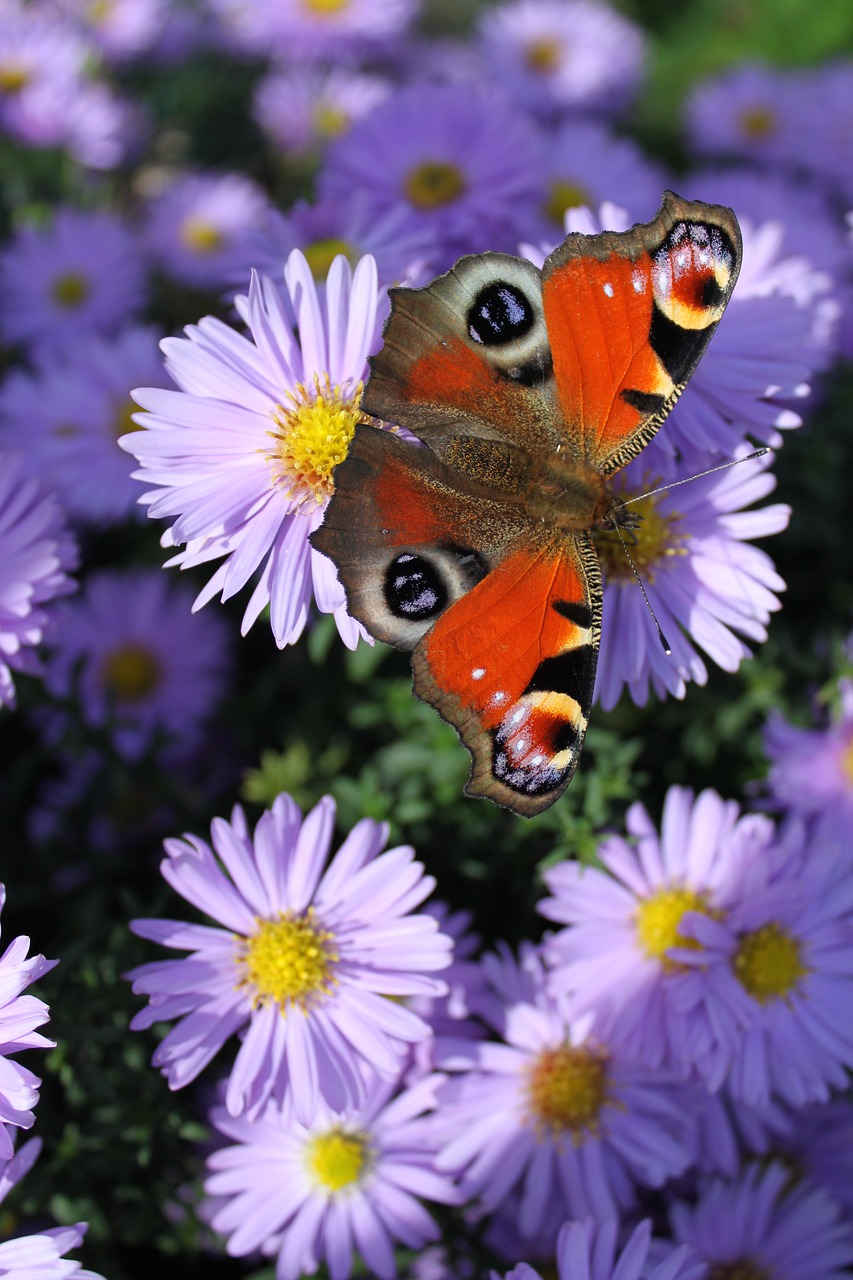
<point x="553" y="54"/>
<point x="767" y="1225"/>
<point x="122" y="29"/>
<point x="140" y="664"/>
<point x="345" y="1183"/>
<point x="553" y="1110"/>
<point x="588" y="1251"/>
<point x="36" y="555"/>
<point x="730" y="1133"/>
<point x="707" y="584"/>
<point x="67" y="415"/>
<point x="586" y="164"/>
<point x="318" y="30"/>
<point x="781" y="966"/>
<point x="198" y="227"/>
<point x="822" y="144"/>
<point x="40" y="1256"/>
<point x="613" y="962"/>
<point x="243" y="453"/>
<point x="821" y="1145"/>
<point x="465" y="165"/>
<point x="751" y="111"/>
<point x="19" y="1016"/>
<point x="82" y="274"/>
<point x="305" y="963"/>
<point x="811" y="770"/>
<point x="451" y="1014"/>
<point x="321" y="231"/>
<point x="101" y="127"/>
<point x="42" y="61"/>
<point x="301" y="109"/>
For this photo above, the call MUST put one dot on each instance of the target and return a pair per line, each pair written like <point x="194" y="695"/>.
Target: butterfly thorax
<point x="567" y="494"/>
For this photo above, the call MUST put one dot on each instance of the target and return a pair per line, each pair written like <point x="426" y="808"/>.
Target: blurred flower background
<point x="463" y="1043"/>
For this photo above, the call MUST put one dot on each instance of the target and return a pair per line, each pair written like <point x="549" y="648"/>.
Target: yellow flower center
<point x="337" y="1159"/>
<point x="657" y="920"/>
<point x="289" y="960"/>
<point x="769" y="963"/>
<point x="324" y="7"/>
<point x="655" y="539"/>
<point x="433" y="184"/>
<point x="567" y="1090"/>
<point x="201" y="236"/>
<point x="847" y="762"/>
<point x="98" y="11"/>
<point x="312" y="435"/>
<point x="758" y="122"/>
<point x="123" y="420"/>
<point x="330" y="121"/>
<point x="131" y="673"/>
<point x="321" y="254"/>
<point x="740" y="1269"/>
<point x="565" y="195"/>
<point x="13" y="78"/>
<point x="70" y="290"/>
<point x="543" y="54"/>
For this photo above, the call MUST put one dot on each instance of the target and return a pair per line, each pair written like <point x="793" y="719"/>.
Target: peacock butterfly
<point x="529" y="390"/>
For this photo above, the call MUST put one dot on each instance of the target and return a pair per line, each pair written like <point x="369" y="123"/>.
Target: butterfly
<point x="527" y="390"/>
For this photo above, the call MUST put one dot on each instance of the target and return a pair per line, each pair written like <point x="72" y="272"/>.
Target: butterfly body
<point x="528" y="390"/>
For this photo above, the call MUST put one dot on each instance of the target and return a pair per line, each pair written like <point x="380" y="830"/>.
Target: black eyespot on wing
<point x="711" y="294"/>
<point x="500" y="313"/>
<point x="414" y="588"/>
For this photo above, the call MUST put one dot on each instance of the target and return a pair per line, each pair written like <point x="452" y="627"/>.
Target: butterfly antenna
<point x="664" y="642"/>
<point x="759" y="453"/>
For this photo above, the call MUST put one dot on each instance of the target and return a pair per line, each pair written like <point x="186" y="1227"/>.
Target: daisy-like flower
<point x="553" y="54"/>
<point x="243" y="453"/>
<point x="19" y="1016"/>
<point x="82" y="274"/>
<point x="779" y="962"/>
<point x="465" y="165"/>
<point x="586" y="164"/>
<point x="40" y="1256"/>
<point x="321" y="231"/>
<point x="122" y="29"/>
<point x="41" y="65"/>
<point x="129" y="649"/>
<point x="316" y="30"/>
<point x="752" y="111"/>
<point x="554" y="1111"/>
<point x="707" y="585"/>
<point x="767" y="1226"/>
<point x="821" y="1144"/>
<point x="198" y="227"/>
<point x="346" y="1183"/>
<point x="811" y="770"/>
<point x="37" y="554"/>
<point x="613" y="961"/>
<point x="301" y="109"/>
<point x="66" y="416"/>
<point x="589" y="1251"/>
<point x="310" y="962"/>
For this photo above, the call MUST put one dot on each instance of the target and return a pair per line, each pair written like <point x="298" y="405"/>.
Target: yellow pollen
<point x="13" y="78"/>
<point x="769" y="964"/>
<point x="567" y="1090"/>
<point x="70" y="290"/>
<point x="847" y="762"/>
<point x="655" y="539"/>
<point x="123" y="420"/>
<point x="330" y="121"/>
<point x="312" y="435"/>
<point x="565" y="195"/>
<point x="289" y="960"/>
<point x="433" y="184"/>
<point x="324" y="7"/>
<point x="200" y="236"/>
<point x="131" y="673"/>
<point x="321" y="254"/>
<point x="657" y="920"/>
<point x="740" y="1269"/>
<point x="337" y="1159"/>
<point x="758" y="122"/>
<point x="543" y="55"/>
